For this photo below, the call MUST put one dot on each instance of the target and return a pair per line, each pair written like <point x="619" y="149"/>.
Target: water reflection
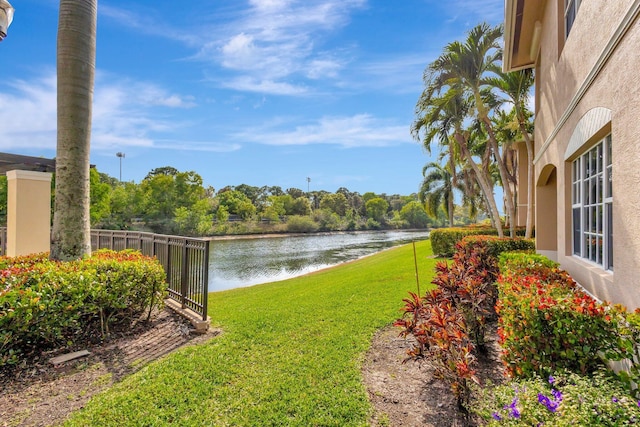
<point x="246" y="262"/>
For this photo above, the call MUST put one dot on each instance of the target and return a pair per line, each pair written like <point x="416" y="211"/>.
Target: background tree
<point x="336" y="203"/>
<point x="377" y="209"/>
<point x="76" y="53"/>
<point x="415" y="215"/>
<point x="100" y="205"/>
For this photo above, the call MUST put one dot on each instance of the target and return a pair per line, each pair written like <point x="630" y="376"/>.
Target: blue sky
<point x="261" y="92"/>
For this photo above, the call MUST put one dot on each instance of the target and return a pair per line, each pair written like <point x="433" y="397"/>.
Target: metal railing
<point x="185" y="261"/>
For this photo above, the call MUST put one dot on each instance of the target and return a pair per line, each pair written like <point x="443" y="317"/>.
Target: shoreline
<point x="317" y="233"/>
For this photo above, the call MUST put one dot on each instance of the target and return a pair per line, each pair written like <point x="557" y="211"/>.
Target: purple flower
<point x="551" y="379"/>
<point x="515" y="413"/>
<point x="557" y="394"/>
<point x="551" y="405"/>
<point x="496" y="416"/>
<point x="614" y="399"/>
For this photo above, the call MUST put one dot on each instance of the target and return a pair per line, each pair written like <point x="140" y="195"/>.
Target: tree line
<point x="173" y="202"/>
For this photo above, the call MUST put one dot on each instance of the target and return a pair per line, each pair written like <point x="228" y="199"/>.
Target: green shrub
<point x="44" y="304"/>
<point x="301" y="224"/>
<point x="443" y="240"/>
<point x="564" y="399"/>
<point x="547" y="323"/>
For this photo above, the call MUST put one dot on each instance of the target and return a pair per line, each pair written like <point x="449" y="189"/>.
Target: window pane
<point x="576" y="231"/>
<point x="609" y="208"/>
<point x="593" y="248"/>
<point x="599" y="190"/>
<point x="609" y="182"/>
<point x="599" y="250"/>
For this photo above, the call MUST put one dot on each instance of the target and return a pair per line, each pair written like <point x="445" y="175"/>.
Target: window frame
<point x="571" y="8"/>
<point x="592" y="205"/>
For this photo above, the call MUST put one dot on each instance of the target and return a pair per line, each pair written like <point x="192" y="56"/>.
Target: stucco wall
<point x="616" y="87"/>
<point x="28" y="212"/>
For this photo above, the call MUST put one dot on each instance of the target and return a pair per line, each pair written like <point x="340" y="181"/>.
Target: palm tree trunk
<point x="451" y="208"/>
<point x="486" y="188"/>
<point x="504" y="175"/>
<point x="70" y="237"/>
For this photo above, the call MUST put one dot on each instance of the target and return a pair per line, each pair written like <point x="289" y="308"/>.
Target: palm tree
<point x="517" y="86"/>
<point x="70" y="237"/>
<point x="437" y="190"/>
<point x="443" y="117"/>
<point x="466" y="67"/>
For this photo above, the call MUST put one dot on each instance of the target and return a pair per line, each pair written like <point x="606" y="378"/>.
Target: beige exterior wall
<point x="587" y="87"/>
<point x="28" y="212"/>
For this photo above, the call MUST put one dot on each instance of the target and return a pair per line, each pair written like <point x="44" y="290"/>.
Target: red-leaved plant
<point x="440" y="336"/>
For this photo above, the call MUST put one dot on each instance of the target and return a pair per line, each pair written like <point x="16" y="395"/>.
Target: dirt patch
<point x="407" y="395"/>
<point x="41" y="394"/>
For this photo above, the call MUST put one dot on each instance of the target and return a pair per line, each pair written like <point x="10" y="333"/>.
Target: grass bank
<point x="290" y="353"/>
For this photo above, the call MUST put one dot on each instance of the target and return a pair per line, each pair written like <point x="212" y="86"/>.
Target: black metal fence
<point x="185" y="260"/>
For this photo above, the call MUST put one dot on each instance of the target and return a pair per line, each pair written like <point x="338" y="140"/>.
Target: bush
<point x="301" y="224"/>
<point x="439" y="330"/>
<point x="444" y="240"/>
<point x="564" y="399"/>
<point x="44" y="304"/>
<point x="547" y="323"/>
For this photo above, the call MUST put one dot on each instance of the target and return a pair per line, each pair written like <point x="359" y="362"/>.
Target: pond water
<point x="243" y="262"/>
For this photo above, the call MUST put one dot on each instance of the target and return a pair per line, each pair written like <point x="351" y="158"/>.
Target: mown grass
<point x="290" y="354"/>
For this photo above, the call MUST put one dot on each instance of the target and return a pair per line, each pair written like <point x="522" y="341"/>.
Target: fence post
<point x="183" y="275"/>
<point x="205" y="282"/>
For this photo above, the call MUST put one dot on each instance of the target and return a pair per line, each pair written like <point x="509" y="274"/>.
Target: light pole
<point x="308" y="182"/>
<point x="6" y="16"/>
<point x="120" y="155"/>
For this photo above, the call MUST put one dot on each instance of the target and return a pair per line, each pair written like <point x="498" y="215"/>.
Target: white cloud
<point x="125" y="114"/>
<point x="361" y="130"/>
<point x="249" y="84"/>
<point x="274" y="40"/>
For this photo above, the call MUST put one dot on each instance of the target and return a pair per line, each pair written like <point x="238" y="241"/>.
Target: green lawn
<point x="290" y="353"/>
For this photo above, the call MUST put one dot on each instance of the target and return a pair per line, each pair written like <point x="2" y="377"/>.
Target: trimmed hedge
<point x="44" y="304"/>
<point x="547" y="323"/>
<point x="443" y="240"/>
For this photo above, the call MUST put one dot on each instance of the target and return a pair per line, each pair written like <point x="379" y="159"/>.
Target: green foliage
<point x="45" y="304"/>
<point x="196" y="221"/>
<point x="547" y="323"/>
<point x="443" y="240"/>
<point x="300" y="206"/>
<point x="377" y="208"/>
<point x="415" y="215"/>
<point x="336" y="203"/>
<point x="301" y="224"/>
<point x="100" y="205"/>
<point x="235" y="202"/>
<point x="565" y="399"/>
<point x="326" y="220"/>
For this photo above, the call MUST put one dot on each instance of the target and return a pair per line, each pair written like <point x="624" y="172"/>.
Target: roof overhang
<point x="522" y="32"/>
<point x="27" y="163"/>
